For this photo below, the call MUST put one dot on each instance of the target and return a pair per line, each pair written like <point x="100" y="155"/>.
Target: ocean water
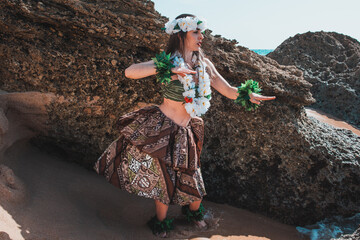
<point x="331" y="227"/>
<point x="262" y="51"/>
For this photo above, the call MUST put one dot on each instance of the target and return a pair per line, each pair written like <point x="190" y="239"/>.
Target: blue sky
<point x="261" y="24"/>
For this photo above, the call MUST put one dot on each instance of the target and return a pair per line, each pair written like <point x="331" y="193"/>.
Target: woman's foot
<point x="200" y="224"/>
<point x="161" y="235"/>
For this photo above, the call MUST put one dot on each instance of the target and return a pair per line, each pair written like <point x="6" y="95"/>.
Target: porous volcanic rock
<point x="78" y="50"/>
<point x="275" y="160"/>
<point x="331" y="62"/>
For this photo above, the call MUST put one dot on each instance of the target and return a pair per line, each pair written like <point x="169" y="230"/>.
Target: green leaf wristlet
<point x="243" y="99"/>
<point x="163" y="66"/>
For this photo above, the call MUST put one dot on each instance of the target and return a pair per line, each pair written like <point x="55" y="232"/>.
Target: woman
<point x="157" y="153"/>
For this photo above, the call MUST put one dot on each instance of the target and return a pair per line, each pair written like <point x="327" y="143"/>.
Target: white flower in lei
<point x="185" y="24"/>
<point x="197" y="98"/>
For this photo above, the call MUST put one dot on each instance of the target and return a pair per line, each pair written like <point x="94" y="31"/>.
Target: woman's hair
<point x="177" y="43"/>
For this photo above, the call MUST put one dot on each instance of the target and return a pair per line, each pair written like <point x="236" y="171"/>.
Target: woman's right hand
<point x="182" y="71"/>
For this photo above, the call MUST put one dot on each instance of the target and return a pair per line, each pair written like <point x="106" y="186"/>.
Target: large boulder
<point x="275" y="160"/>
<point x="331" y="62"/>
<point x="78" y="50"/>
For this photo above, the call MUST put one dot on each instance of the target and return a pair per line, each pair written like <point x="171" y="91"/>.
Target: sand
<point x="48" y="197"/>
<point x="65" y="201"/>
<point x="331" y="120"/>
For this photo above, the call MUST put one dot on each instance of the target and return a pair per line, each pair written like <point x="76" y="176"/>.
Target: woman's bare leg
<point x="161" y="210"/>
<point x="193" y="207"/>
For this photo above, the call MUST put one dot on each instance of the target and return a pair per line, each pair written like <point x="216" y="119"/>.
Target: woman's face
<point x="193" y="40"/>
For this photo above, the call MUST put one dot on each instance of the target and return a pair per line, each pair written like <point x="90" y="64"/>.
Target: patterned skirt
<point x="155" y="158"/>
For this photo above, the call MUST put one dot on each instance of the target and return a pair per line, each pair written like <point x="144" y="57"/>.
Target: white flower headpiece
<point x="185" y="24"/>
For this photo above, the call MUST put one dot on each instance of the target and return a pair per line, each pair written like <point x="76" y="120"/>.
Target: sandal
<point x="160" y="228"/>
<point x="197" y="217"/>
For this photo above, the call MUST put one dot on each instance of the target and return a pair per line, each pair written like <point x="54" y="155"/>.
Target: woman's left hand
<point x="182" y="71"/>
<point x="257" y="98"/>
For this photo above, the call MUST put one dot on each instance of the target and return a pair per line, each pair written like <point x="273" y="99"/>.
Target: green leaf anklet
<point x="160" y="226"/>
<point x="243" y="99"/>
<point x="163" y="66"/>
<point x="192" y="216"/>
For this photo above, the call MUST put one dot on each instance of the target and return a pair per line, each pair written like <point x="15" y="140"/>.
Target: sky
<point x="265" y="24"/>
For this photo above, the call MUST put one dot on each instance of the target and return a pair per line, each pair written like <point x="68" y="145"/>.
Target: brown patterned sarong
<point x="155" y="158"/>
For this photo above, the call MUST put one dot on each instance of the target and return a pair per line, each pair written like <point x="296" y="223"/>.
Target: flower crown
<point x="184" y="24"/>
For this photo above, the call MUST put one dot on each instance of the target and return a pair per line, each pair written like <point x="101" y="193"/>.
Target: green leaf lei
<point x="160" y="226"/>
<point x="243" y="99"/>
<point x="163" y="67"/>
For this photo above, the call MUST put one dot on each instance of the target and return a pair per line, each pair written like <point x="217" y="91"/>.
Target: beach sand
<point x="65" y="201"/>
<point x="48" y="197"/>
<point x="331" y="120"/>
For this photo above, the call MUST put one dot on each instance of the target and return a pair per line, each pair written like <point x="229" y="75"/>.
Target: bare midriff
<point x="175" y="111"/>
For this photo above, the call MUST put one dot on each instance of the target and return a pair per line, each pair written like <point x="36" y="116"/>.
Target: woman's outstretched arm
<point x="140" y="70"/>
<point x="223" y="87"/>
<point x="145" y="69"/>
<point x="220" y="84"/>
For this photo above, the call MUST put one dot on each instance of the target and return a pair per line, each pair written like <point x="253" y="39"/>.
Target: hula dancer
<point x="157" y="154"/>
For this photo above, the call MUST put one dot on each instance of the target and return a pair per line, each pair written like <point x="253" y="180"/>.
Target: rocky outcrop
<point x="12" y="189"/>
<point x="22" y="116"/>
<point x="79" y="50"/>
<point x="276" y="158"/>
<point x="275" y="161"/>
<point x="331" y="62"/>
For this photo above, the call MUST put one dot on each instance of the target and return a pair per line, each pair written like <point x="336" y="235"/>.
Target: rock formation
<point x="275" y="161"/>
<point x="22" y="116"/>
<point x="331" y="62"/>
<point x="11" y="188"/>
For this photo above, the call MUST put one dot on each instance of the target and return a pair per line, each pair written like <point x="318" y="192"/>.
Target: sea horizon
<point x="262" y="51"/>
